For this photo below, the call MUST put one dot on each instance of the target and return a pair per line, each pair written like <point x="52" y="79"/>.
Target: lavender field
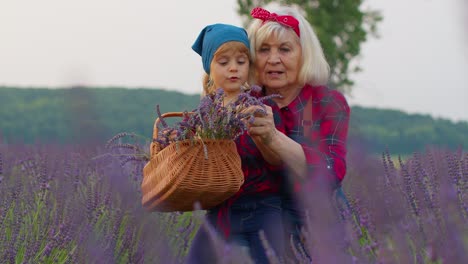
<point x="81" y="204"/>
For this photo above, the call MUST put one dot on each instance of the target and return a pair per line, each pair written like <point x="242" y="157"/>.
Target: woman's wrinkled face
<point x="278" y="61"/>
<point x="230" y="70"/>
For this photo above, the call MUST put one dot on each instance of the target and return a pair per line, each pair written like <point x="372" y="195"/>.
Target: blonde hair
<point x="314" y="68"/>
<point x="208" y="85"/>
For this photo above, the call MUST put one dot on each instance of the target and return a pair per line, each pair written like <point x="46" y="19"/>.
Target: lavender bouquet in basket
<point x="212" y="119"/>
<point x="196" y="159"/>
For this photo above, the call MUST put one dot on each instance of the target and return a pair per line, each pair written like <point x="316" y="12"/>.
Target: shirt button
<point x="286" y="108"/>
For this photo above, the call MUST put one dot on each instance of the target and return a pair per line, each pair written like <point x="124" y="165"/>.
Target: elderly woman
<point x="308" y="138"/>
<point x="288" y="60"/>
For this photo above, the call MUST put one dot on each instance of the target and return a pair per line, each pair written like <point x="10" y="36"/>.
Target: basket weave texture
<point x="182" y="174"/>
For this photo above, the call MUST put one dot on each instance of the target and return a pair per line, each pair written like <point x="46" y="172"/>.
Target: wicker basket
<point x="179" y="175"/>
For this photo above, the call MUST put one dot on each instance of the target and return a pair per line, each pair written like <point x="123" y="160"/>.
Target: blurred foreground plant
<point x="58" y="205"/>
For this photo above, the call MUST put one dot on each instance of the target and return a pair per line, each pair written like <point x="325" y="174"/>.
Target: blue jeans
<point x="248" y="216"/>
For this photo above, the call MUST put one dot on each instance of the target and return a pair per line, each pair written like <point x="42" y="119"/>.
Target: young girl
<point x="224" y="50"/>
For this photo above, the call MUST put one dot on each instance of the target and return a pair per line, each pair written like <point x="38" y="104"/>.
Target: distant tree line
<point x="403" y="133"/>
<point x="84" y="115"/>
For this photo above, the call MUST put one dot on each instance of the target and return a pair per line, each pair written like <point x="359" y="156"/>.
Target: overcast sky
<point x="419" y="65"/>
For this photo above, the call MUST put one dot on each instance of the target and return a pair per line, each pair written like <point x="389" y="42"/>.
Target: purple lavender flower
<point x="161" y="119"/>
<point x="214" y="120"/>
<point x="116" y="137"/>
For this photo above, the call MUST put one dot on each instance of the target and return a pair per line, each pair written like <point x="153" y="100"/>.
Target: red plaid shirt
<point x="325" y="147"/>
<point x="260" y="178"/>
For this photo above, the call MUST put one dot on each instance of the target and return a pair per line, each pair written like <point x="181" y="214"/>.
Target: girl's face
<point x="229" y="70"/>
<point x="278" y="61"/>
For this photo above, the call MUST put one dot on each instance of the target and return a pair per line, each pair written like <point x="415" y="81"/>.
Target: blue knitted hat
<point x="213" y="36"/>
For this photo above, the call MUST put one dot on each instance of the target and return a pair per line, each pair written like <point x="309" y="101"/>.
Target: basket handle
<point x="154" y="146"/>
<point x="157" y="121"/>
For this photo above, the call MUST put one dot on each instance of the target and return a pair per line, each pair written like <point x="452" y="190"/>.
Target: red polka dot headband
<point x="264" y="15"/>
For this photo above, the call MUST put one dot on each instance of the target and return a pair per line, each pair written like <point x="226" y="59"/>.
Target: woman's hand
<point x="261" y="125"/>
<point x="262" y="130"/>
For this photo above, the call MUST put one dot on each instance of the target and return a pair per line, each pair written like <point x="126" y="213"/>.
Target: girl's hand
<point x="169" y="134"/>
